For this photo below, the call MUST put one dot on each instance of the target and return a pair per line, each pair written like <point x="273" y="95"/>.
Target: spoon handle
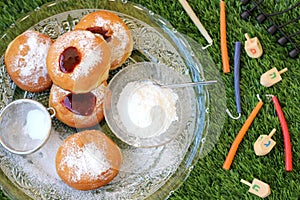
<point x="177" y="85"/>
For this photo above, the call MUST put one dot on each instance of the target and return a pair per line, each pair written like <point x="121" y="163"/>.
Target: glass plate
<point x="152" y="173"/>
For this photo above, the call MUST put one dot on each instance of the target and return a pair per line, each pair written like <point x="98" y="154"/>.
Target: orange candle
<point x="241" y="135"/>
<point x="224" y="51"/>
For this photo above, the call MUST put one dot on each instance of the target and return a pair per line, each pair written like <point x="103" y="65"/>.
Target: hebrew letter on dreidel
<point x="271" y="77"/>
<point x="264" y="144"/>
<point x="267" y="144"/>
<point x="258" y="188"/>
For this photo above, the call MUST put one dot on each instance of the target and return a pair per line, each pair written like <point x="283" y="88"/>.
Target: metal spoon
<point x="188" y="84"/>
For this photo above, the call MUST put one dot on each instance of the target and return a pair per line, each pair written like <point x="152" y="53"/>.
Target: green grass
<point x="208" y="180"/>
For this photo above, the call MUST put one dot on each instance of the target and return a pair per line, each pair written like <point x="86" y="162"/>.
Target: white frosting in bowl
<point x="146" y="109"/>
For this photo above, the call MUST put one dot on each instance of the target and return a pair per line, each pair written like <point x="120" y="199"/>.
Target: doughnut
<point x="78" y="61"/>
<point x="113" y="30"/>
<point x="25" y="61"/>
<point x="88" y="160"/>
<point x="78" y="110"/>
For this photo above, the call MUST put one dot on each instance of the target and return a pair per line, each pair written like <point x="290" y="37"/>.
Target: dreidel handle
<point x="272" y="132"/>
<point x="247" y="37"/>
<point x="282" y="71"/>
<point x="246" y="182"/>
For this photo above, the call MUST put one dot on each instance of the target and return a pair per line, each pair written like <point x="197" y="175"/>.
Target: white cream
<point x="146" y="109"/>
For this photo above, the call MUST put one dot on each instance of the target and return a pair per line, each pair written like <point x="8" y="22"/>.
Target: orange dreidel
<point x="253" y="47"/>
<point x="258" y="188"/>
<point x="264" y="144"/>
<point x="271" y="77"/>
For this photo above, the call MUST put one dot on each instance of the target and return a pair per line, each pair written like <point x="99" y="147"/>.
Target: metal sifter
<point x="25" y="126"/>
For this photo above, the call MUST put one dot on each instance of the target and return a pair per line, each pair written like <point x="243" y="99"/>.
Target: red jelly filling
<point x="69" y="59"/>
<point x="80" y="104"/>
<point x="106" y="33"/>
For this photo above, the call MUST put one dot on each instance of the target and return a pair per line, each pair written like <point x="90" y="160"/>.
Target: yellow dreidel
<point x="258" y="188"/>
<point x="253" y="47"/>
<point x="271" y="77"/>
<point x="264" y="144"/>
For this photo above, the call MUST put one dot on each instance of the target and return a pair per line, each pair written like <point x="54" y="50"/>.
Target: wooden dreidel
<point x="271" y="77"/>
<point x="253" y="47"/>
<point x="264" y="144"/>
<point x="258" y="188"/>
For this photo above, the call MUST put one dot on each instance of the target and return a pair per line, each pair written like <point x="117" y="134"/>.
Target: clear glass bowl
<point x="152" y="173"/>
<point x="153" y="122"/>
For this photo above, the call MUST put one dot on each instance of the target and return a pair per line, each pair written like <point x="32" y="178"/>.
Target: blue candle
<point x="237" y="55"/>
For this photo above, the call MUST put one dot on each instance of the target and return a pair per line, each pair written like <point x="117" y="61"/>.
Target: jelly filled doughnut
<point x="78" y="110"/>
<point x="78" y="61"/>
<point x="113" y="30"/>
<point x="25" y="61"/>
<point x="88" y="160"/>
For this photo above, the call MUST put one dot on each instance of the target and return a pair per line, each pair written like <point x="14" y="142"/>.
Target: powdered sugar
<point x="30" y="60"/>
<point x="91" y="58"/>
<point x="119" y="34"/>
<point x="91" y="53"/>
<point x="37" y="124"/>
<point x="88" y="160"/>
<point x="140" y="103"/>
<point x="99" y="92"/>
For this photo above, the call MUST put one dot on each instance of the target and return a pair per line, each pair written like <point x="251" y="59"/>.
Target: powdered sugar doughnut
<point x="78" y="61"/>
<point x="25" y="60"/>
<point x="78" y="110"/>
<point x="113" y="30"/>
<point x="88" y="160"/>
